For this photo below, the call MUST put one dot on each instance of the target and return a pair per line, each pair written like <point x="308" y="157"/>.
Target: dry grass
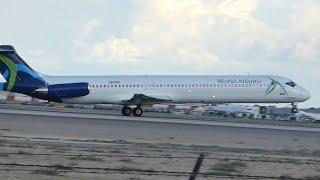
<point x="228" y="167"/>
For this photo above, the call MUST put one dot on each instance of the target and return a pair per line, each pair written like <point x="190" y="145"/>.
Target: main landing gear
<point x="137" y="111"/>
<point x="294" y="108"/>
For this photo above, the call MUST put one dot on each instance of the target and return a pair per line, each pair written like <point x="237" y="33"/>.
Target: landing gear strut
<point x="294" y="108"/>
<point x="137" y="111"/>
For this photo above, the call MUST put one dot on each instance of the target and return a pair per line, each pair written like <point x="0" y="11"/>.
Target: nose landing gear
<point x="127" y="111"/>
<point x="294" y="108"/>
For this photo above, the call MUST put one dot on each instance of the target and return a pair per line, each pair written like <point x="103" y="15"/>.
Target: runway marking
<point x="157" y="120"/>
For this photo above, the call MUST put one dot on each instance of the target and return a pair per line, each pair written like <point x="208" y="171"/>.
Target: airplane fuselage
<point x="186" y="89"/>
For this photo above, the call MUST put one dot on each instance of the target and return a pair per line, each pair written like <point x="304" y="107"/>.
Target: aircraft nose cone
<point x="306" y="95"/>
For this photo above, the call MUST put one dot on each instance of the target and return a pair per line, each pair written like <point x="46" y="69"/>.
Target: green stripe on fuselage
<point x="273" y="86"/>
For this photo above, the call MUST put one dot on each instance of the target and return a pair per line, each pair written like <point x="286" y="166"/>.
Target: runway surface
<point x="155" y="119"/>
<point x="156" y="130"/>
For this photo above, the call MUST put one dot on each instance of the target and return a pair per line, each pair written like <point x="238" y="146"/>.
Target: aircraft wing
<point x="146" y="99"/>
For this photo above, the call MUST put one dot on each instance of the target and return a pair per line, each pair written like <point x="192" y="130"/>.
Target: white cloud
<point x="239" y="9"/>
<point x="204" y="58"/>
<point x="305" y="19"/>
<point x="81" y="41"/>
<point x="90" y="26"/>
<point x="193" y="30"/>
<point x="163" y="27"/>
<point x="208" y="32"/>
<point x="115" y="49"/>
<point x="308" y="50"/>
<point x="305" y="27"/>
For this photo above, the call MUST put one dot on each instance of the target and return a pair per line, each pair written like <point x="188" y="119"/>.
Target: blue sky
<point x="104" y="37"/>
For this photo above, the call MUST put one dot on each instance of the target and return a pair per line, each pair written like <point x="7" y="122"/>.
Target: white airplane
<point x="139" y="90"/>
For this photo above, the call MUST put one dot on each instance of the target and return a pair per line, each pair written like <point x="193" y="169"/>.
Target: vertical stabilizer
<point x="17" y="75"/>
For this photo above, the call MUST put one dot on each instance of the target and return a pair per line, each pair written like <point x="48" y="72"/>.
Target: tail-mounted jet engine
<point x="57" y="92"/>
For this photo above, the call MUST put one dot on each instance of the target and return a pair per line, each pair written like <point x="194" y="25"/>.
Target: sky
<point x="176" y="37"/>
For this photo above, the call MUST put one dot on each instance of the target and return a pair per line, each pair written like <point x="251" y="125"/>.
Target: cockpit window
<point x="291" y="83"/>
